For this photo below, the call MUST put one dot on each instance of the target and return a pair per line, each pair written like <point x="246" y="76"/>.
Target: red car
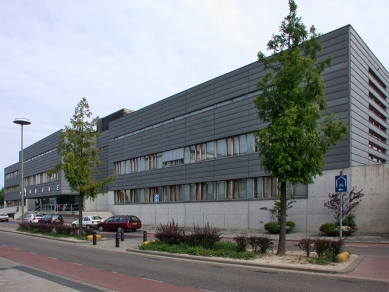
<point x="120" y="222"/>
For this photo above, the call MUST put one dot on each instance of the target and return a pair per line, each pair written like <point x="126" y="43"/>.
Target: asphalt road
<point x="184" y="273"/>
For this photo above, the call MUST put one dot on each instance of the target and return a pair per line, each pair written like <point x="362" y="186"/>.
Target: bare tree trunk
<point x="81" y="207"/>
<point x="282" y="221"/>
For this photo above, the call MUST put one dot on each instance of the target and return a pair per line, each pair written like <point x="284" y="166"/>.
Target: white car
<point x="4" y="217"/>
<point x="90" y="221"/>
<point x="32" y="218"/>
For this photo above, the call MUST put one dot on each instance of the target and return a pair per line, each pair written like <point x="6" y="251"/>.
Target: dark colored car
<point x="119" y="222"/>
<point x="51" y="219"/>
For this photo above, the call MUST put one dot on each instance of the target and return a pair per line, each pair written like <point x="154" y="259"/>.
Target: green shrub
<point x="328" y="227"/>
<point x="290" y="224"/>
<point x="306" y="244"/>
<point x="221" y="249"/>
<point x="272" y="227"/>
<point x="349" y="221"/>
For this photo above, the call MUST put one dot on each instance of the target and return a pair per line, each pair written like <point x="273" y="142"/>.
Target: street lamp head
<point x="22" y="121"/>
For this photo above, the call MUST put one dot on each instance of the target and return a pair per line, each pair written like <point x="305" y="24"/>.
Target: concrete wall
<point x="308" y="213"/>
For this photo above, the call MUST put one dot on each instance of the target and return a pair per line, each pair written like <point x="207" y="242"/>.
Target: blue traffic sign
<point x="156" y="198"/>
<point x="341" y="183"/>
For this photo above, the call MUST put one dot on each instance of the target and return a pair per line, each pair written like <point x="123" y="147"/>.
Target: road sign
<point x="156" y="198"/>
<point x="341" y="183"/>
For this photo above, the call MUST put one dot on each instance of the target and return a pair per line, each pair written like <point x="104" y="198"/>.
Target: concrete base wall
<point x="308" y="213"/>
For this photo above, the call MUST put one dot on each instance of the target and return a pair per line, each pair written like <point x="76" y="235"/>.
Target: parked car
<point x="90" y="221"/>
<point x="51" y="219"/>
<point x="32" y="218"/>
<point x="120" y="222"/>
<point x="4" y="217"/>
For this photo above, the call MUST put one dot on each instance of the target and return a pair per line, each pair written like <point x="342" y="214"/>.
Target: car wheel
<point x="87" y="227"/>
<point x="74" y="225"/>
<point x="119" y="229"/>
<point x="101" y="228"/>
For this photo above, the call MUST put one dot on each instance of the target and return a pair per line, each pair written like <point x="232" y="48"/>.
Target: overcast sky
<point x="129" y="54"/>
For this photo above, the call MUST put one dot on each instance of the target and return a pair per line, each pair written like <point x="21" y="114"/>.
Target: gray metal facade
<point x="347" y="93"/>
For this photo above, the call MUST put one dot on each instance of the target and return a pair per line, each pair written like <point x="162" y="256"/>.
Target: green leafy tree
<point x="293" y="145"/>
<point x="2" y="192"/>
<point x="80" y="159"/>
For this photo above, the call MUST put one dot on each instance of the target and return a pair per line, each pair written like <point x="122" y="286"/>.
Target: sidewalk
<point x="361" y="267"/>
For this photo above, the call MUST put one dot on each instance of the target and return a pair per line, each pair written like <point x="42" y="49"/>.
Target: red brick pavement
<point x="373" y="267"/>
<point x="101" y="278"/>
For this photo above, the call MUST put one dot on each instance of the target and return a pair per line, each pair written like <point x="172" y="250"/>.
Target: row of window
<point x="12" y="175"/>
<point x="40" y="179"/>
<point x="377" y="124"/>
<point x="376" y="78"/>
<point x="12" y="189"/>
<point x="40" y="155"/>
<point x="376" y="159"/>
<point x="377" y="136"/>
<point x="231" y="146"/>
<point x="377" y="101"/>
<point x="251" y="188"/>
<point x="377" y="90"/>
<point x="376" y="147"/>
<point x="377" y="113"/>
<point x="217" y="105"/>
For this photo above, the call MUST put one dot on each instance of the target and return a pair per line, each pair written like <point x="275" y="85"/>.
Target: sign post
<point x="156" y="200"/>
<point x="341" y="186"/>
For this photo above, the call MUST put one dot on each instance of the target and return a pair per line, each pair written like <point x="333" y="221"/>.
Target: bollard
<point x="117" y="239"/>
<point x="144" y="235"/>
<point x="94" y="237"/>
<point x="122" y="235"/>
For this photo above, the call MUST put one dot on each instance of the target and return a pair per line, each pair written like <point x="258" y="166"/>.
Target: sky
<point x="132" y="53"/>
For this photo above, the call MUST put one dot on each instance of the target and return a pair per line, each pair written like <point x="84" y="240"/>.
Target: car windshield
<point x="134" y="218"/>
<point x="96" y="218"/>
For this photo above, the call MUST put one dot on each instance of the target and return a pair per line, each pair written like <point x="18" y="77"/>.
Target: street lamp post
<point x="22" y="122"/>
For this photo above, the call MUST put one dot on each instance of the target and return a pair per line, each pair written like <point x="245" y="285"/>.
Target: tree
<point x="293" y="145"/>
<point x="80" y="159"/>
<point x="2" y="192"/>
<point x="349" y="201"/>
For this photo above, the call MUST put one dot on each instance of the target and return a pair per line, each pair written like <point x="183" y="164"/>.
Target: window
<point x="269" y="187"/>
<point x="221" y="148"/>
<point x="377" y="148"/>
<point x="210" y="150"/>
<point x="192" y="151"/>
<point x="376" y="78"/>
<point x="166" y="192"/>
<point x="376" y="159"/>
<point x="192" y="192"/>
<point x="242" y="144"/>
<point x="221" y="190"/>
<point x="258" y="188"/>
<point x="159" y="160"/>
<point x="128" y="166"/>
<point x="210" y="191"/>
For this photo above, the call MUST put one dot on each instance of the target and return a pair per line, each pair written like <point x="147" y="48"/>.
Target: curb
<point x="245" y="263"/>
